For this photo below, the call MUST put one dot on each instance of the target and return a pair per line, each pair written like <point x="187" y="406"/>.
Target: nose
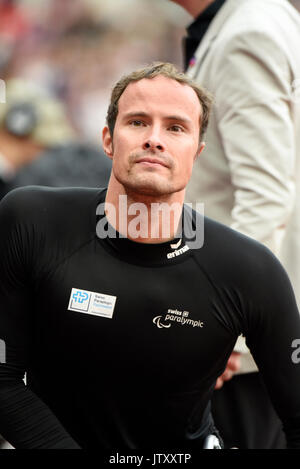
<point x="153" y="143"/>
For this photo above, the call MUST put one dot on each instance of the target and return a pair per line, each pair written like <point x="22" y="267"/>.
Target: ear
<point x="200" y="150"/>
<point x="107" y="142"/>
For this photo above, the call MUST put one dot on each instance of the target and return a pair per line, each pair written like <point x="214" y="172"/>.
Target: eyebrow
<point x="174" y="117"/>
<point x="135" y="114"/>
<point x="179" y="119"/>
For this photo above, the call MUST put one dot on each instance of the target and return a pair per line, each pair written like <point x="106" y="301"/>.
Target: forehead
<point x="160" y="94"/>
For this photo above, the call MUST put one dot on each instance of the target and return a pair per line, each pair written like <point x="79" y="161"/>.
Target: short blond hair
<point x="167" y="70"/>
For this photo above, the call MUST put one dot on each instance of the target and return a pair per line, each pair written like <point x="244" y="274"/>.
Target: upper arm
<point x="253" y="94"/>
<point x="273" y="324"/>
<point x="16" y="295"/>
<point x="254" y="110"/>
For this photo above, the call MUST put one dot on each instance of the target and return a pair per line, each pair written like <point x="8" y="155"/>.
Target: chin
<point x="150" y="185"/>
<point x="153" y="190"/>
<point x="147" y="189"/>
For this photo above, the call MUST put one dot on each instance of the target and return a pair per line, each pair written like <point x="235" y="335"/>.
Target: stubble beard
<point x="147" y="182"/>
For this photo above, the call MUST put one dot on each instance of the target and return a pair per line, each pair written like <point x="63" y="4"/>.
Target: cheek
<point x="118" y="163"/>
<point x="188" y="171"/>
<point x="123" y="146"/>
<point x="121" y="160"/>
<point x="186" y="161"/>
<point x="119" y="148"/>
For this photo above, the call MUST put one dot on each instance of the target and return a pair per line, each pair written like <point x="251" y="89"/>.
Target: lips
<point x="152" y="161"/>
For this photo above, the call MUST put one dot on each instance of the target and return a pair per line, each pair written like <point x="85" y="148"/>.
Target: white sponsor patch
<point x="89" y="302"/>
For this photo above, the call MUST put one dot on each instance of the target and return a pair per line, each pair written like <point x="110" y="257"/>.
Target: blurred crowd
<point x="76" y="49"/>
<point x="69" y="54"/>
<point x="58" y="63"/>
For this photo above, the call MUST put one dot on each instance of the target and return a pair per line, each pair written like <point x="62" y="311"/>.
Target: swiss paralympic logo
<point x="80" y="299"/>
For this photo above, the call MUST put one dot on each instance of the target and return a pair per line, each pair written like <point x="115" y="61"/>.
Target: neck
<point x="143" y="218"/>
<point x="194" y="7"/>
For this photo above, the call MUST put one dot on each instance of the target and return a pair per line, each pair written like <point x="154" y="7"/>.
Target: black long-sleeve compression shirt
<point x="122" y="342"/>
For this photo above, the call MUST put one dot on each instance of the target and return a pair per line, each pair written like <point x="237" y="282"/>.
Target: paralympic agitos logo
<point x="174" y="316"/>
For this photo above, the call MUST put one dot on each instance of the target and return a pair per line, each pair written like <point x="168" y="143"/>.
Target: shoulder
<point x="43" y="225"/>
<point x="235" y="258"/>
<point x="256" y="46"/>
<point x="47" y="207"/>
<point x="262" y="16"/>
<point x="258" y="27"/>
<point x="40" y="198"/>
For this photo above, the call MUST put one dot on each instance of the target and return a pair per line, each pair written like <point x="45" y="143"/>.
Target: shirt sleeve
<point x="25" y="420"/>
<point x="272" y="328"/>
<point x="254" y="110"/>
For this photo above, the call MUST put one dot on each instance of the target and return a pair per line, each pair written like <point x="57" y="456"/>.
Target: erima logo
<point x="177" y="251"/>
<point x="176" y="316"/>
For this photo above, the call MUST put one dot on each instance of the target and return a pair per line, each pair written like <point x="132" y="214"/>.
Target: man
<point x="74" y="164"/>
<point x="31" y="122"/>
<point x="123" y="331"/>
<point x="243" y="51"/>
<point x="38" y="145"/>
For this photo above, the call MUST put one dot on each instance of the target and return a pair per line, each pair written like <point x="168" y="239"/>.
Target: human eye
<point x="136" y="123"/>
<point x="176" y="128"/>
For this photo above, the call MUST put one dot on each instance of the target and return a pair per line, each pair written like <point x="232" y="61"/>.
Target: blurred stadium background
<point x="76" y="49"/>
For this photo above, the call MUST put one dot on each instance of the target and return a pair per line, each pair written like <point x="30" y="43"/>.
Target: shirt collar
<point x="198" y="28"/>
<point x="167" y="253"/>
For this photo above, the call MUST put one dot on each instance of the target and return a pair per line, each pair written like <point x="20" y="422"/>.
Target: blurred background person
<point x="30" y="122"/>
<point x="72" y="51"/>
<point x="76" y="164"/>
<point x="38" y="146"/>
<point x="245" y="53"/>
<point x="77" y="48"/>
